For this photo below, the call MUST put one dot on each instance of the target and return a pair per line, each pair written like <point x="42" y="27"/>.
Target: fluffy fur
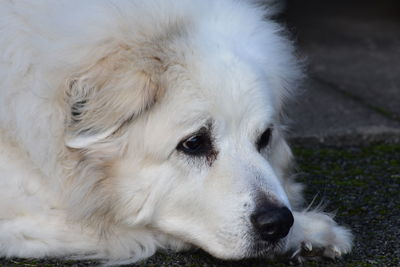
<point x="96" y="95"/>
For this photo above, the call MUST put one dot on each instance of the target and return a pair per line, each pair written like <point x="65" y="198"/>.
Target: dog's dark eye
<point x="196" y="145"/>
<point x="264" y="139"/>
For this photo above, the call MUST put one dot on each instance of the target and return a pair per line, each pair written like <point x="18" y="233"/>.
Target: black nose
<point x="272" y="223"/>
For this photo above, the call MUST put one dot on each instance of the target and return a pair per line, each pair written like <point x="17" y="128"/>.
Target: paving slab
<point x="322" y="114"/>
<point x="353" y="48"/>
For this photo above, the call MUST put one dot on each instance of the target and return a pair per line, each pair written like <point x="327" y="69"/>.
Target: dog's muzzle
<point x="272" y="223"/>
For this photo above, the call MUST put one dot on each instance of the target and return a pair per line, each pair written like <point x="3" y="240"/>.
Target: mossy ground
<point x="360" y="184"/>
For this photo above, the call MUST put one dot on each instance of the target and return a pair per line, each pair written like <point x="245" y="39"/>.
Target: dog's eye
<point x="196" y="145"/>
<point x="264" y="139"/>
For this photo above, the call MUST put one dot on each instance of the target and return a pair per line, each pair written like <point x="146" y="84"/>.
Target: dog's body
<point x="127" y="126"/>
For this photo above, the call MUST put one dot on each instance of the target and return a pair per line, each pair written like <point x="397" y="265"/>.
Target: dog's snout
<point x="272" y="223"/>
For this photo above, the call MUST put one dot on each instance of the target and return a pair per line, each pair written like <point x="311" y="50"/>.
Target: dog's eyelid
<point x="203" y="130"/>
<point x="200" y="131"/>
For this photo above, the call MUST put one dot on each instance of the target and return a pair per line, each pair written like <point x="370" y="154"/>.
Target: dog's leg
<point x="32" y="222"/>
<point x="40" y="236"/>
<point x="316" y="235"/>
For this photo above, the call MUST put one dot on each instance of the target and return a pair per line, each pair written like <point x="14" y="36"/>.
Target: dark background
<point x="352" y="54"/>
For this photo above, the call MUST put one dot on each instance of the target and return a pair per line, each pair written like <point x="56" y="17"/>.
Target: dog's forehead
<point x="222" y="84"/>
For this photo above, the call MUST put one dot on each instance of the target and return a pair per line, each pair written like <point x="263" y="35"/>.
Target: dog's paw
<point x="315" y="236"/>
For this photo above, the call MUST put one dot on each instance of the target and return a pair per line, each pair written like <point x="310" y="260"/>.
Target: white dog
<point x="132" y="125"/>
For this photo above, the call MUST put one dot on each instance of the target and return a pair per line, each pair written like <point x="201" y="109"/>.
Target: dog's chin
<point x="265" y="249"/>
<point x="256" y="249"/>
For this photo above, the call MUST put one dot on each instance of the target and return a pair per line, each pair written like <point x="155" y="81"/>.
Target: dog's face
<point x="201" y="163"/>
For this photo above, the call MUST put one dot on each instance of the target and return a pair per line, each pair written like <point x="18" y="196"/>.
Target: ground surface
<point x="360" y="183"/>
<point x="352" y="54"/>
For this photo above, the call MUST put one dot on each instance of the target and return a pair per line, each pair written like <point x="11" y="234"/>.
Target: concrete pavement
<point x="352" y="50"/>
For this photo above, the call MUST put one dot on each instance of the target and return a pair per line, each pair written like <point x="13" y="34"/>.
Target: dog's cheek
<point x="143" y="188"/>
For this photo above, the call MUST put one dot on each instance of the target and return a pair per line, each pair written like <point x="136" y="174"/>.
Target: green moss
<point x="359" y="264"/>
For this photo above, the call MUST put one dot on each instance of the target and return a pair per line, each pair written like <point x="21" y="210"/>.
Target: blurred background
<point x="352" y="53"/>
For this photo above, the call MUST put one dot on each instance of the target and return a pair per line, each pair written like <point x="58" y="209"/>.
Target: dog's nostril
<point x="273" y="223"/>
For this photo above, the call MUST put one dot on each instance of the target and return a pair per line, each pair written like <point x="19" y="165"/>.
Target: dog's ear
<point x="109" y="94"/>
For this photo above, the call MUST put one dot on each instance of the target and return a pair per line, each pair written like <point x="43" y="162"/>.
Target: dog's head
<point x="181" y="134"/>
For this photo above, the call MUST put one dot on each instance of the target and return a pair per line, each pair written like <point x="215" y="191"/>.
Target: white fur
<point x="95" y="95"/>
